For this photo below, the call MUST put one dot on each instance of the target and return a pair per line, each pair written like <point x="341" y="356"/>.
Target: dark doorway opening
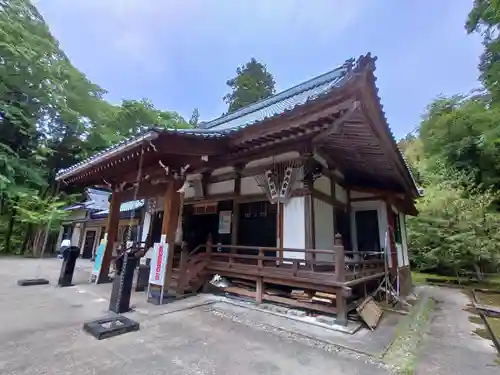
<point x="343" y="227"/>
<point x="367" y="231"/>
<point x="156" y="224"/>
<point x="202" y="220"/>
<point x="258" y="227"/>
<point x="88" y="244"/>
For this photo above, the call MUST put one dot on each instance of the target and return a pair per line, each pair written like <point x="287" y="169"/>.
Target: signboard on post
<point x="158" y="267"/>
<point x="98" y="261"/>
<point x="158" y="264"/>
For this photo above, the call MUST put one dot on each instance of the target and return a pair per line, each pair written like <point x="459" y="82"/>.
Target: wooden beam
<point x="280" y="229"/>
<point x="146" y="190"/>
<point x="236" y="208"/>
<point x="336" y="126"/>
<point x="370" y="198"/>
<point x="308" y="204"/>
<point x="308" y="113"/>
<point x="327" y="199"/>
<point x="254" y="154"/>
<point x="170" y="221"/>
<point x="112" y="229"/>
<point x="183" y="145"/>
<point x="392" y="244"/>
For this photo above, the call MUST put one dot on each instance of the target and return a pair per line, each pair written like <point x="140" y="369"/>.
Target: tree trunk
<point x="37" y="243"/>
<point x="27" y="238"/>
<point x="479" y="274"/>
<point x="10" y="229"/>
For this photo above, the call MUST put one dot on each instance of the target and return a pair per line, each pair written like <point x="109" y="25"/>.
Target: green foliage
<point x="51" y="117"/>
<point x="464" y="132"/>
<point x="484" y="18"/>
<point x="252" y="83"/>
<point x="32" y="209"/>
<point x="456" y="228"/>
<point x="131" y="118"/>
<point x="195" y="118"/>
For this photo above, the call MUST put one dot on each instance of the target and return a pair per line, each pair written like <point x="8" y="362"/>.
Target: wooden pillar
<point x="309" y="206"/>
<point x="259" y="291"/>
<point x="279" y="227"/>
<point x="112" y="231"/>
<point x="169" y="225"/>
<point x="340" y="299"/>
<point x="392" y="245"/>
<point x="235" y="223"/>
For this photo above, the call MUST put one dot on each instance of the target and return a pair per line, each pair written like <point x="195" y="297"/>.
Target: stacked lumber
<point x="276" y="292"/>
<point x="300" y="295"/>
<point x="249" y="285"/>
<point x="323" y="297"/>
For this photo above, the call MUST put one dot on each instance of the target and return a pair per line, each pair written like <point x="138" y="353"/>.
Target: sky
<point x="180" y="53"/>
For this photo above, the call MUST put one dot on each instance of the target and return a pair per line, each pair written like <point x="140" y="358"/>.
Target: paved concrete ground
<point x="450" y="346"/>
<point x="41" y="333"/>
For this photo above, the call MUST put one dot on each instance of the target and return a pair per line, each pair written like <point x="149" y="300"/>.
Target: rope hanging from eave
<point x="136" y="193"/>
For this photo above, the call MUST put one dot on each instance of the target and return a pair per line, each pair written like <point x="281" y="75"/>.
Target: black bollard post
<point x="70" y="255"/>
<point x="122" y="285"/>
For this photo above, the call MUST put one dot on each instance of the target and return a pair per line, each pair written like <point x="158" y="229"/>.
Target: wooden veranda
<point x="335" y="128"/>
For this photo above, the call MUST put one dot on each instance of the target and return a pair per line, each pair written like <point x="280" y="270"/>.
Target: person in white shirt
<point x="64" y="245"/>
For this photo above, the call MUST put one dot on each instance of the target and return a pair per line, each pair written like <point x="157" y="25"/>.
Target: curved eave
<point x="107" y="154"/>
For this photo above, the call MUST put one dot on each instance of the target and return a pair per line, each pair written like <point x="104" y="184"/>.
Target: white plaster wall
<point x="77" y="232"/>
<point x="378" y="205"/>
<point x="320" y="160"/>
<point x="189" y="192"/>
<point x="249" y="186"/>
<point x="294" y="231"/>
<point x="78" y="214"/>
<point x="323" y="229"/>
<point x="145" y="226"/>
<point x="221" y="187"/>
<point x="223" y="170"/>
<point x="340" y="194"/>
<point x="323" y="184"/>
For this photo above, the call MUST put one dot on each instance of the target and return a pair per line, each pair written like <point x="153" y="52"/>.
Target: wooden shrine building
<point x="303" y="190"/>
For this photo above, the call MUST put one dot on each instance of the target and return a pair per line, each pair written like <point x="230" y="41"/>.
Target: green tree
<point x="463" y="133"/>
<point x="484" y="18"/>
<point x="252" y="83"/>
<point x="195" y="118"/>
<point x="456" y="229"/>
<point x="130" y="118"/>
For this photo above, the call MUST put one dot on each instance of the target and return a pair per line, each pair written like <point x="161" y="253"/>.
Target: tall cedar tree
<point x="252" y="83"/>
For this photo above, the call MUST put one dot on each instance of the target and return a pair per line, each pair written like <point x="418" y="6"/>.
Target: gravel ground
<point x="42" y="334"/>
<point x="449" y="345"/>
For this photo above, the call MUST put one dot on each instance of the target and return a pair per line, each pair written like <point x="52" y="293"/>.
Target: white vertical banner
<point x="158" y="264"/>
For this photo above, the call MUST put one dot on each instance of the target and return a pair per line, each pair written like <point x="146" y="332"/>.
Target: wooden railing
<point x="342" y="267"/>
<point x="332" y="271"/>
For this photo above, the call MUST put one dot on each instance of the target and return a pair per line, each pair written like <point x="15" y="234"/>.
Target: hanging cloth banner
<point x="158" y="264"/>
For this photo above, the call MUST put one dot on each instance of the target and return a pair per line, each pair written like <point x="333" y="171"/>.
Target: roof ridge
<point x="282" y="95"/>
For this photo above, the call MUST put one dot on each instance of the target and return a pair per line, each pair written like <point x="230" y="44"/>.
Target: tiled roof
<point x="136" y="140"/>
<point x="98" y="200"/>
<point x="125" y="207"/>
<point x="284" y="101"/>
<point x="252" y="114"/>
